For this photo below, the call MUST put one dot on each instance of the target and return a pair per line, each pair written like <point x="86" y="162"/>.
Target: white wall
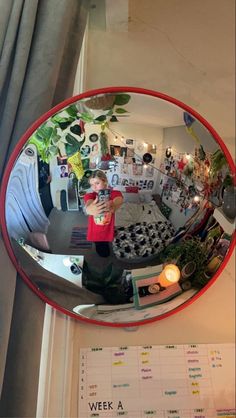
<point x="185" y="49"/>
<point x="192" y="59"/>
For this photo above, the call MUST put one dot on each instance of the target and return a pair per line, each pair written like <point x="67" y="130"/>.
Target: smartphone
<point x="104" y="195"/>
<point x="105" y="217"/>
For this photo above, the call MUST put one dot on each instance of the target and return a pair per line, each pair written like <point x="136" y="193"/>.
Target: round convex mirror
<point x="113" y="206"/>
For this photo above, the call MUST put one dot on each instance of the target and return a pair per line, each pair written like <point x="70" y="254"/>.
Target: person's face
<point x="97" y="184"/>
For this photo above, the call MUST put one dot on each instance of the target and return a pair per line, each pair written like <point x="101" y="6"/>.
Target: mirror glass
<point x="165" y="230"/>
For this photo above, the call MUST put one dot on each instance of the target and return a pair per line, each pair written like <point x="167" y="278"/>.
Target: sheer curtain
<point x="40" y="42"/>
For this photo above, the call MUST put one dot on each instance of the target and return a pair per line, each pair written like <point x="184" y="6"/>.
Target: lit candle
<point x="169" y="275"/>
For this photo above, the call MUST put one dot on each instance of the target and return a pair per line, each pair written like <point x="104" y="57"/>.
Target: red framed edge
<point x="31" y="130"/>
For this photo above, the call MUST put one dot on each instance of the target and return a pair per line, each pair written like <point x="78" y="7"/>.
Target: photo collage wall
<point x="129" y="169"/>
<point x="126" y="166"/>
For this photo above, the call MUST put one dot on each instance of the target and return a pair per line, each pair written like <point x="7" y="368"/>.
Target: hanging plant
<point x="72" y="145"/>
<point x="110" y="104"/>
<point x="218" y="161"/>
<point x="201" y="153"/>
<point x="46" y="141"/>
<point x="104" y="144"/>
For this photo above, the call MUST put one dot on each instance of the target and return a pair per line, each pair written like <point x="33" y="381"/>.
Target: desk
<point x="57" y="263"/>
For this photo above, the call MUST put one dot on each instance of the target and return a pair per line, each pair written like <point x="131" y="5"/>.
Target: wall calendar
<point x="164" y="381"/>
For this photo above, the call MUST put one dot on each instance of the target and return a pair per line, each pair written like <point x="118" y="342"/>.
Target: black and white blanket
<point x="146" y="238"/>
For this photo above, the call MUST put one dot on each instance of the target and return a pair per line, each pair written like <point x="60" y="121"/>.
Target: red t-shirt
<point x="101" y="232"/>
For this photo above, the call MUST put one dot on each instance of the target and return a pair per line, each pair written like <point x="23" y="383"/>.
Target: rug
<point x="78" y="238"/>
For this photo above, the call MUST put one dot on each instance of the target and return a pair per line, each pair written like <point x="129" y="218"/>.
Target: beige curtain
<point x="40" y="43"/>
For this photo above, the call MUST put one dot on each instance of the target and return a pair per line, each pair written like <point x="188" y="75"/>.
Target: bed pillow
<point x="145" y="197"/>
<point x="165" y="210"/>
<point x="131" y="197"/>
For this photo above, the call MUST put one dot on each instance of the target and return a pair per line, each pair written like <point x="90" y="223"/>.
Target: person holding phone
<point x="101" y="205"/>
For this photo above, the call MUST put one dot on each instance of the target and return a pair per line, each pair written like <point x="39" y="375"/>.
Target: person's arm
<point x="116" y="203"/>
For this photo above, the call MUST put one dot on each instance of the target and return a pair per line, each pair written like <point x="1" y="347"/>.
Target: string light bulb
<point x="196" y="199"/>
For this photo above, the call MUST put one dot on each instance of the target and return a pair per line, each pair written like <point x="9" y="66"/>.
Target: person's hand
<point x="95" y="208"/>
<point x="110" y="206"/>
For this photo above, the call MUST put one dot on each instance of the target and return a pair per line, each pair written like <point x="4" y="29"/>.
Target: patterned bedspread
<point x="142" y="239"/>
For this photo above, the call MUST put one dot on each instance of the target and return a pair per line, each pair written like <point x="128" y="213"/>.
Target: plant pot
<point x="186" y="285"/>
<point x="229" y="202"/>
<point x="188" y="269"/>
<point x="214" y="264"/>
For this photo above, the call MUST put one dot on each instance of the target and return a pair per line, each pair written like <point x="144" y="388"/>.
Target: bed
<point x="141" y="231"/>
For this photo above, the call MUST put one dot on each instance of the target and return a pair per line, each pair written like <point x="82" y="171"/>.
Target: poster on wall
<point x="61" y="171"/>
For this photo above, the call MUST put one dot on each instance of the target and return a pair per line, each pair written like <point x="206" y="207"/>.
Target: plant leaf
<point x="122" y="99"/>
<point x="114" y="119"/>
<point x="76" y="129"/>
<point x="120" y="110"/>
<point x="71" y="139"/>
<point x="44" y="131"/>
<point x="53" y="150"/>
<point x="86" y="117"/>
<point x="101" y="118"/>
<point x="72" y="111"/>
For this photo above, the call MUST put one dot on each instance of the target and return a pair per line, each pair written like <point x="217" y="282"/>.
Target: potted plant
<point x="191" y="257"/>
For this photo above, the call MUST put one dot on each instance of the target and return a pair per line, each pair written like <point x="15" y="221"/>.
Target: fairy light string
<point x="180" y="183"/>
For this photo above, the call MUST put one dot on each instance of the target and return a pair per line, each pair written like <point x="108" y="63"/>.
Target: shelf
<point x="227" y="224"/>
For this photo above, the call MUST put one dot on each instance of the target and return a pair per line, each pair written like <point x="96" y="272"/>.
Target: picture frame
<point x="145" y="299"/>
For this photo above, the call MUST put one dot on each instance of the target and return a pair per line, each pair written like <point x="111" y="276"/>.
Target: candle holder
<point x="169" y="275"/>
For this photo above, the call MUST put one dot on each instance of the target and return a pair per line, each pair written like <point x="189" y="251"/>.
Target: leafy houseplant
<point x="185" y="251"/>
<point x="49" y="136"/>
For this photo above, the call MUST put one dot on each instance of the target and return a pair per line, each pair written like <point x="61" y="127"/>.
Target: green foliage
<point x="73" y="145"/>
<point x="46" y="139"/>
<point x="104" y="143"/>
<point x="120" y="110"/>
<point x="185" y="251"/>
<point x="61" y="121"/>
<point x="101" y="118"/>
<point x="86" y="117"/>
<point x="76" y="129"/>
<point x="228" y="181"/>
<point x="72" y="111"/>
<point x="218" y="161"/>
<point x="121" y="99"/>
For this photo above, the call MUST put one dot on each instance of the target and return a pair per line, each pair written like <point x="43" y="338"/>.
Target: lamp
<point x="169" y="275"/>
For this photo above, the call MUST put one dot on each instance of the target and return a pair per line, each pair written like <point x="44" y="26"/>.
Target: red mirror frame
<point x="15" y="154"/>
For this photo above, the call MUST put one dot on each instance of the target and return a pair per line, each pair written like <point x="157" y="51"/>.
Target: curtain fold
<point x="40" y="42"/>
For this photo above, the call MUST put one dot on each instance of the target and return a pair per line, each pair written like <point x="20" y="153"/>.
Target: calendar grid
<point x="168" y="381"/>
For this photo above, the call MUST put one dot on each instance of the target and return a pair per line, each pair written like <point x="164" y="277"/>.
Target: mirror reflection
<point x="119" y="206"/>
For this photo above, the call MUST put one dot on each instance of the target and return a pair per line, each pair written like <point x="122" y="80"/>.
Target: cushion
<point x="131" y="197"/>
<point x="165" y="210"/>
<point x="131" y="189"/>
<point x="145" y="197"/>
